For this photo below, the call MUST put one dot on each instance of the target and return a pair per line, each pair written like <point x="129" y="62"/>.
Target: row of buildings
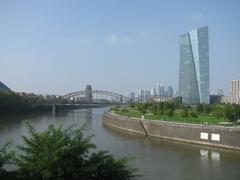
<point x="193" y="84"/>
<point x="234" y="95"/>
<point x="158" y="92"/>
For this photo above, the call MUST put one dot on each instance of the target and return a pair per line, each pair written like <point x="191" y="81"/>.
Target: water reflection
<point x="189" y="161"/>
<point x="156" y="158"/>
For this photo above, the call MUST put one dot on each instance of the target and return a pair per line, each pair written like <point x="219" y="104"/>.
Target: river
<point x="155" y="158"/>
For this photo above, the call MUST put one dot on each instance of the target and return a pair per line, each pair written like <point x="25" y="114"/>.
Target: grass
<point x="201" y="119"/>
<point x="130" y="114"/>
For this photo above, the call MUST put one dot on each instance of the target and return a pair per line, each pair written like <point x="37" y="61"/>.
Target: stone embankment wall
<point x="219" y="136"/>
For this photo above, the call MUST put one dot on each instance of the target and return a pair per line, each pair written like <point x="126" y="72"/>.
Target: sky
<point x="60" y="46"/>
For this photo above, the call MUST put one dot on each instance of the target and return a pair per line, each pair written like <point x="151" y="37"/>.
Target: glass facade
<point x="194" y="67"/>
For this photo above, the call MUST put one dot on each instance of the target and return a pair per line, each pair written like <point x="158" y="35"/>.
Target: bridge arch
<point x="122" y="99"/>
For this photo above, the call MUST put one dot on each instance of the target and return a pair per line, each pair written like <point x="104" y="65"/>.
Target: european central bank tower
<point x="194" y="67"/>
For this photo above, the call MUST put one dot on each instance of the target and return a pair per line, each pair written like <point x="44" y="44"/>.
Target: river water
<point x="155" y="158"/>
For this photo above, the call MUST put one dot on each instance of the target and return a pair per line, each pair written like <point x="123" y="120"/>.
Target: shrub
<point x="59" y="153"/>
<point x="193" y="114"/>
<point x="184" y="112"/>
<point x="124" y="110"/>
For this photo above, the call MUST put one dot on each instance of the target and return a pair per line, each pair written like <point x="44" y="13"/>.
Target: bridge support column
<point x="54" y="108"/>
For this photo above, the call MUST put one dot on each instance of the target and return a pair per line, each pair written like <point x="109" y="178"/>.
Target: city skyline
<point x="59" y="47"/>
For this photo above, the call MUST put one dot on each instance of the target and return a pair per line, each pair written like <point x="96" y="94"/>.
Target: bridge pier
<point x="54" y="108"/>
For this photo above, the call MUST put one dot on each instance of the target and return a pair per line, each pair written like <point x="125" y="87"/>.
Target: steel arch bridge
<point x="119" y="97"/>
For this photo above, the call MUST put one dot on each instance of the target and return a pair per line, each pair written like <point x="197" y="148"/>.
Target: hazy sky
<point x="57" y="46"/>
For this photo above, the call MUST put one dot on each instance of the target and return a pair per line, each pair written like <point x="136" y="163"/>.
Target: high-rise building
<point x="157" y="89"/>
<point x="160" y="90"/>
<point x="220" y="92"/>
<point x="235" y="92"/>
<point x="132" y="95"/>
<point x="146" y="93"/>
<point x="194" y="67"/>
<point x="153" y="92"/>
<point x="169" y="91"/>
<point x="140" y="93"/>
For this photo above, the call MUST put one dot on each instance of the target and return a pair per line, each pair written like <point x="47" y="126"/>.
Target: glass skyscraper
<point x="194" y="67"/>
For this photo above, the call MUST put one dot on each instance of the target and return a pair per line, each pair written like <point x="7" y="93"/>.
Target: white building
<point x="235" y="92"/>
<point x="160" y="90"/>
<point x="153" y="92"/>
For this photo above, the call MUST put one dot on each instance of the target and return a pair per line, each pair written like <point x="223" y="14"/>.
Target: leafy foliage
<point x="232" y="112"/>
<point x="124" y="110"/>
<point x="184" y="112"/>
<point x="221" y="112"/>
<point x="115" y="108"/>
<point x="59" y="153"/>
<point x="5" y="155"/>
<point x="142" y="108"/>
<point x="11" y="102"/>
<point x="203" y="108"/>
<point x="193" y="114"/>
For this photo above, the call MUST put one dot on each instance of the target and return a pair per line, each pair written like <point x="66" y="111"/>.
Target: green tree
<point x="184" y="112"/>
<point x="6" y="157"/>
<point x="142" y="108"/>
<point x="218" y="111"/>
<point x="132" y="105"/>
<point x="199" y="108"/>
<point x="59" y="153"/>
<point x="115" y="108"/>
<point x="229" y="112"/>
<point x="124" y="110"/>
<point x="169" y="108"/>
<point x="207" y="108"/>
<point x="160" y="108"/>
<point x="193" y="114"/>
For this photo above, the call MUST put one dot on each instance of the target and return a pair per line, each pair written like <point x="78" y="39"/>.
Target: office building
<point x="169" y="91"/>
<point x="194" y="67"/>
<point x="160" y="90"/>
<point x="153" y="92"/>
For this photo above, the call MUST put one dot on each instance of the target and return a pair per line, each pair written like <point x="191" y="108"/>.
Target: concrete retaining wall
<point x="227" y="137"/>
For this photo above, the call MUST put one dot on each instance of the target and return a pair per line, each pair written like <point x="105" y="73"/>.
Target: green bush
<point x="142" y="108"/>
<point x="125" y="110"/>
<point x="184" y="112"/>
<point x="169" y="112"/>
<point x="193" y="114"/>
<point x="59" y="153"/>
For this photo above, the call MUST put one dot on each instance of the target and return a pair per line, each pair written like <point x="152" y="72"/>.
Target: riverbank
<point x="52" y="108"/>
<point x="218" y="136"/>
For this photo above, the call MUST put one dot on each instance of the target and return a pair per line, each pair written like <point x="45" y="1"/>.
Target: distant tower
<point x="88" y="95"/>
<point x="194" y="67"/>
<point x="153" y="92"/>
<point x="158" y="89"/>
<point x="162" y="90"/>
<point x="169" y="91"/>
